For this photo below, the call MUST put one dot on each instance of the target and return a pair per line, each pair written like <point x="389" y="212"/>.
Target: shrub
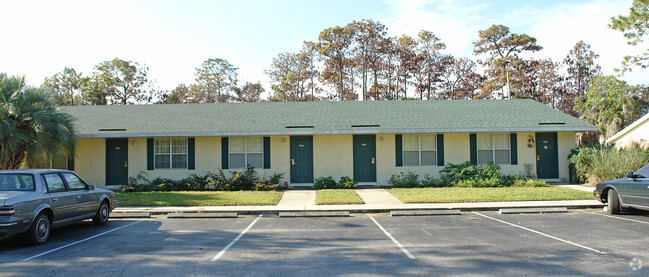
<point x="404" y="180"/>
<point x="346" y="183"/>
<point x="530" y="182"/>
<point x="212" y="181"/>
<point x="325" y="183"/>
<point x="471" y="175"/>
<point x="597" y="164"/>
<point x="430" y="181"/>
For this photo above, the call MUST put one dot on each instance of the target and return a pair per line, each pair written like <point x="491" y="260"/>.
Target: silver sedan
<point x="33" y="201"/>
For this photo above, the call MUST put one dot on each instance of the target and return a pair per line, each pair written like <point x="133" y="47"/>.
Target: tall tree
<point x="635" y="27"/>
<point x="367" y="37"/>
<point x="216" y="78"/>
<point x="460" y="78"/>
<point x="581" y="68"/>
<point x="66" y="86"/>
<point x="178" y="95"/>
<point x="289" y="73"/>
<point x="250" y="92"/>
<point x="308" y="55"/>
<point x="429" y="47"/>
<point x="32" y="126"/>
<point x="541" y="81"/>
<point x="125" y="81"/>
<point x="611" y="104"/>
<point x="94" y="91"/>
<point x="334" y="48"/>
<point x="405" y="47"/>
<point x="502" y="49"/>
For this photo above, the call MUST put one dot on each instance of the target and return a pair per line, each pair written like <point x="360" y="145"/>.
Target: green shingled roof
<point x="326" y="118"/>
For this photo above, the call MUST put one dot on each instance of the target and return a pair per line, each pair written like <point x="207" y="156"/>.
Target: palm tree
<point x="31" y="126"/>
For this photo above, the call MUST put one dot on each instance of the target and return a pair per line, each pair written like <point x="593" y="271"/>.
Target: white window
<point x="493" y="148"/>
<point x="419" y="149"/>
<point x="246" y="151"/>
<point x="170" y="153"/>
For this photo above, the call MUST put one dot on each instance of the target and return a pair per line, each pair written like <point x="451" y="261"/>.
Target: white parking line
<point x="218" y="256"/>
<point x="622" y="218"/>
<point x="77" y="242"/>
<point x="392" y="238"/>
<point x="540" y="233"/>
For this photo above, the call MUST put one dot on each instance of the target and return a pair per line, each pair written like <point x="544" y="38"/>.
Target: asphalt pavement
<point x="584" y="242"/>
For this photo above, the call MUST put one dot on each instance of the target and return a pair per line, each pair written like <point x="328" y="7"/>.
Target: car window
<point x="74" y="182"/>
<point x="644" y="171"/>
<point x="16" y="182"/>
<point x="54" y="182"/>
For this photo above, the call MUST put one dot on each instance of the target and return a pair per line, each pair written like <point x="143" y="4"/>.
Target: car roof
<point x="33" y="170"/>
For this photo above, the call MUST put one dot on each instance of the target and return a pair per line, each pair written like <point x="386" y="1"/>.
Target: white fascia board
<point x="338" y="132"/>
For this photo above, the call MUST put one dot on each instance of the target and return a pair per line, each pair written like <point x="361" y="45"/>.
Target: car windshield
<point x="16" y="182"/>
<point x="643" y="172"/>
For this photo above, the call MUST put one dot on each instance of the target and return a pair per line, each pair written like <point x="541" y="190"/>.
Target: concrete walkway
<point x="577" y="187"/>
<point x="378" y="197"/>
<point x="297" y="199"/>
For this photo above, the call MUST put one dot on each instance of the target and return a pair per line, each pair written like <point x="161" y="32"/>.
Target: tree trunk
<point x="14" y="159"/>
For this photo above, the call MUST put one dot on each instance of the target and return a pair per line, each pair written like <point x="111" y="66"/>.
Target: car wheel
<point x="613" y="202"/>
<point x="101" y="218"/>
<point x="39" y="231"/>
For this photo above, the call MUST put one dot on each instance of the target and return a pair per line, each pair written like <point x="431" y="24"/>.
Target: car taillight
<point x="7" y="211"/>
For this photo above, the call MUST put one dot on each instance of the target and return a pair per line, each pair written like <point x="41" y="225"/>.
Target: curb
<point x="252" y="210"/>
<point x="534" y="210"/>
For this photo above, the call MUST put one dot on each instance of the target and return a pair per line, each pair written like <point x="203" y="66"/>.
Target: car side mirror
<point x="91" y="187"/>
<point x="630" y="175"/>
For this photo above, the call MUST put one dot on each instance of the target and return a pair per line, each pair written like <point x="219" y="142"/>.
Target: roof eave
<point x="339" y="132"/>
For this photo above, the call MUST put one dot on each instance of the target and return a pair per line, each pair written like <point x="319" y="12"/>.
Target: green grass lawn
<point x="337" y="197"/>
<point x="461" y="195"/>
<point x="200" y="198"/>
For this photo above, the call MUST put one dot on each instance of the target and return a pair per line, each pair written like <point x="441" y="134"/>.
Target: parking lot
<point x="578" y="243"/>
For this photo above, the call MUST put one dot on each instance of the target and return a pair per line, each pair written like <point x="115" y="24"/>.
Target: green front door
<point x="365" y="158"/>
<point x="547" y="157"/>
<point x="116" y="161"/>
<point x="301" y="160"/>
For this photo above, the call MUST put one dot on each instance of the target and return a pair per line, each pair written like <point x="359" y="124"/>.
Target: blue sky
<point x="174" y="37"/>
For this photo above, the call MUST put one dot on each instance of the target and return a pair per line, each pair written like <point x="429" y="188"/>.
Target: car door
<point x="61" y="199"/>
<point x="636" y="190"/>
<point x="85" y="199"/>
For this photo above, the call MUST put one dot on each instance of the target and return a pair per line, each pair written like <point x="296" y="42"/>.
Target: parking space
<point x="483" y="243"/>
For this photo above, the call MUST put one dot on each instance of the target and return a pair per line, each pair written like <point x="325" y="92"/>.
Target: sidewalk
<point x="376" y="200"/>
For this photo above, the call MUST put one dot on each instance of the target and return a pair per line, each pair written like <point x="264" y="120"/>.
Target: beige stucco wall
<point x="90" y="160"/>
<point x="639" y="134"/>
<point x="333" y="156"/>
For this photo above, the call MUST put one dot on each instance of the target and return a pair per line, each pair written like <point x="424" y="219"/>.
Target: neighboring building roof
<point x="305" y="118"/>
<point x="636" y="124"/>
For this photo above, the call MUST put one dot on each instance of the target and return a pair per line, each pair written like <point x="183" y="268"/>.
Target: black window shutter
<point x="191" y="160"/>
<point x="70" y="162"/>
<point x="514" y="148"/>
<point x="398" y="149"/>
<point x="266" y="152"/>
<point x="149" y="154"/>
<point x="473" y="148"/>
<point x="224" y="153"/>
<point x="440" y="149"/>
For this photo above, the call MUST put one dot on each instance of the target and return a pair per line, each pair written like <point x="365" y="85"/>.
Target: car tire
<point x="39" y="231"/>
<point x="103" y="213"/>
<point x="613" y="202"/>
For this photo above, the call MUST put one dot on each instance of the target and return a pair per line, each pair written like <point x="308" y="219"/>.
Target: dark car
<point x="621" y="194"/>
<point x="32" y="201"/>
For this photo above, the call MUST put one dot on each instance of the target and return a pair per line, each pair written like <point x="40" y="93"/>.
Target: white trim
<point x="337" y="132"/>
<point x="245" y="152"/>
<point x="171" y="153"/>
<point x="419" y="150"/>
<point x="628" y="129"/>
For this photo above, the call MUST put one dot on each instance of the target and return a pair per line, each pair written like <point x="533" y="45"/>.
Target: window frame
<point x="47" y="185"/>
<point x="419" y="149"/>
<point x="245" y="152"/>
<point x="65" y="179"/>
<point x="170" y="154"/>
<point x="494" y="148"/>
